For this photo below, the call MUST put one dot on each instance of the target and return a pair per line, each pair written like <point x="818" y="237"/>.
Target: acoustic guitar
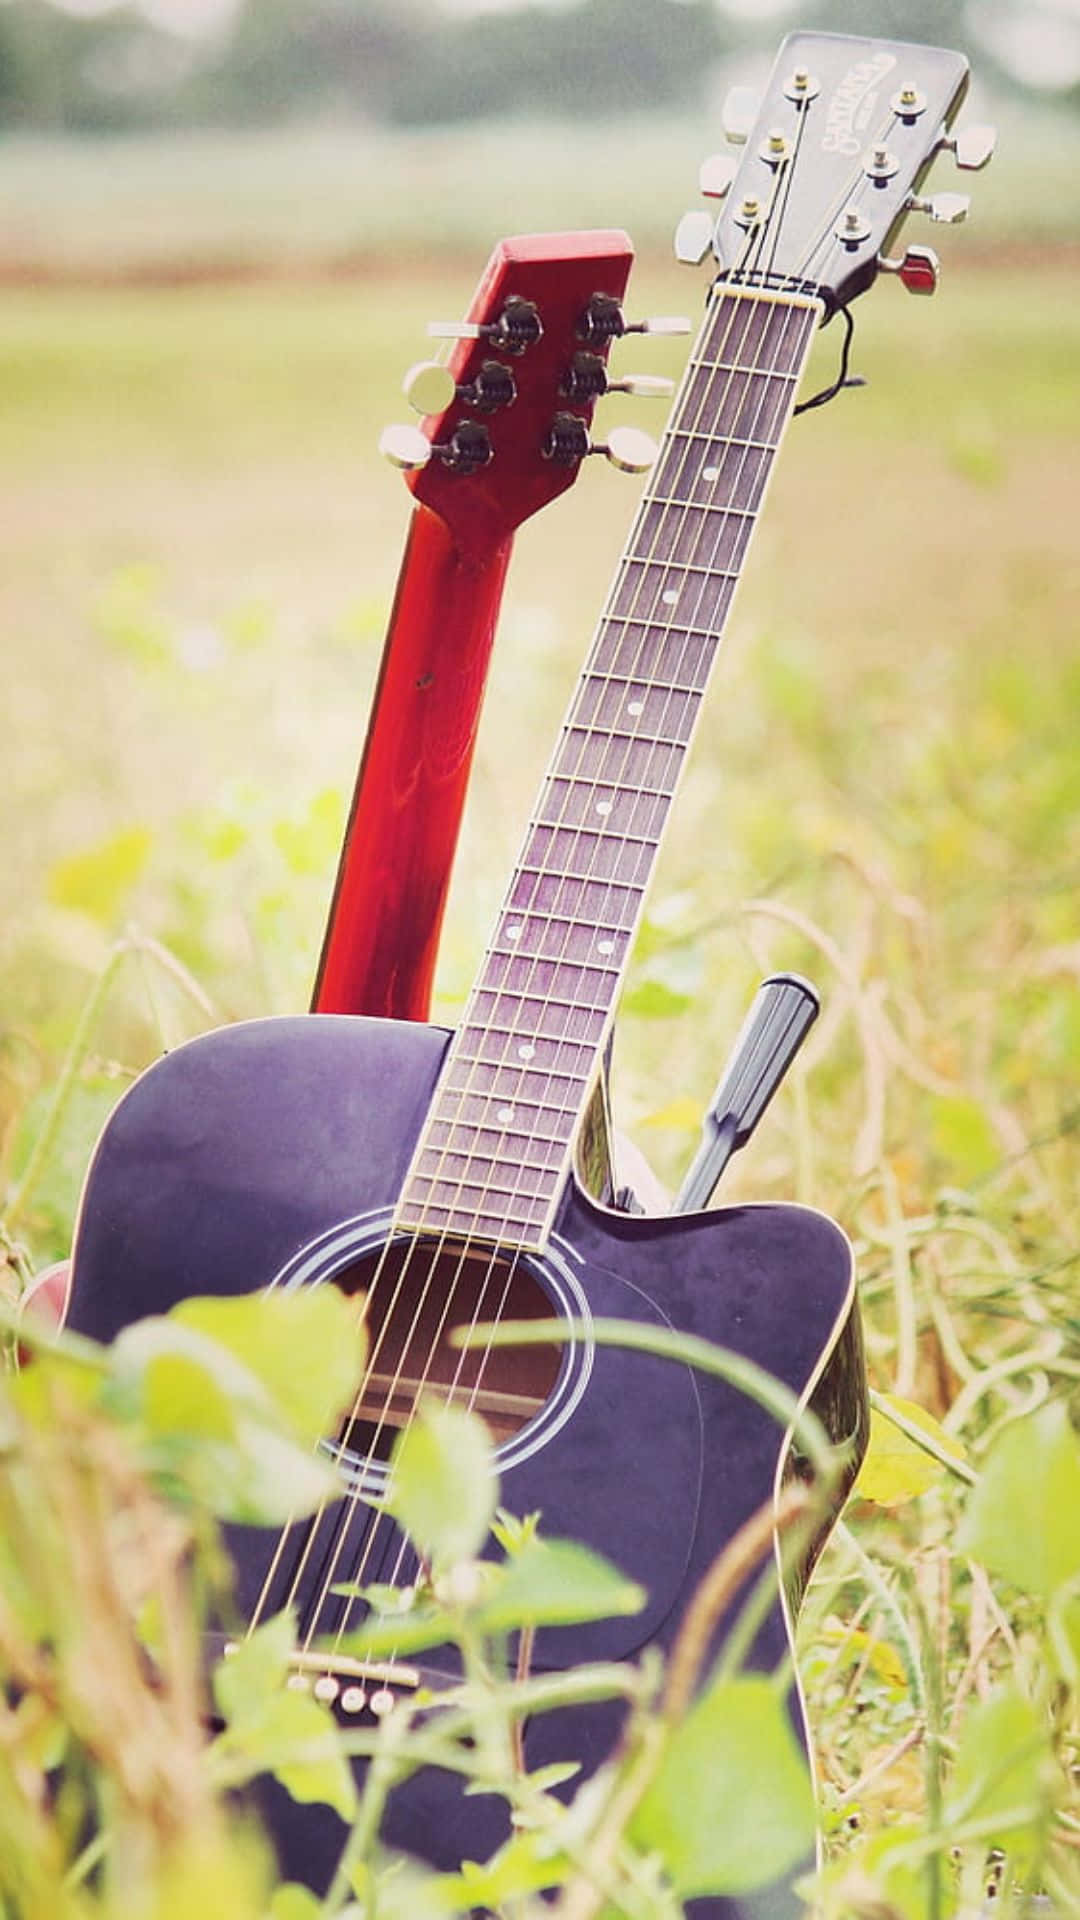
<point x="452" y="1178"/>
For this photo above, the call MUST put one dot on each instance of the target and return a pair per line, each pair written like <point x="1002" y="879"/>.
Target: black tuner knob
<point x="601" y="321"/>
<point x="568" y="440"/>
<point x="493" y="386"/>
<point x="783" y="1011"/>
<point x="517" y="327"/>
<point x="585" y="378"/>
<point x="467" y="449"/>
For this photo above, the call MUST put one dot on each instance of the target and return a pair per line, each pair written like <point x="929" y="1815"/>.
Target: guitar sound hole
<point x="417" y="1293"/>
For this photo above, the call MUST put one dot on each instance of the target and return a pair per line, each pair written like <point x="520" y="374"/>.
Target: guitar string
<point x="515" y="1033"/>
<point x="691" y="560"/>
<point x="616" y="778"/>
<point x="509" y="957"/>
<point x="508" y="1283"/>
<point x="556" y="960"/>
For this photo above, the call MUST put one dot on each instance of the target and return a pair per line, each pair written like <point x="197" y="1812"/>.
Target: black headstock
<point x="845" y="133"/>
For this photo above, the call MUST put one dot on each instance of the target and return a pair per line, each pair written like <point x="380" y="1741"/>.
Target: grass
<point x="197" y="557"/>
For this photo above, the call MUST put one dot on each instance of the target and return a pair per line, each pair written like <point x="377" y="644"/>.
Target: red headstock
<point x="507" y="442"/>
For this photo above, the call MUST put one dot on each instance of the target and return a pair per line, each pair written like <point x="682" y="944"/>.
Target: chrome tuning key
<point x="783" y="1011"/>
<point x="917" y="270"/>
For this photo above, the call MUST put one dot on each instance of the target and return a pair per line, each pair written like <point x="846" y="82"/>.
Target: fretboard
<point x="495" y="1148"/>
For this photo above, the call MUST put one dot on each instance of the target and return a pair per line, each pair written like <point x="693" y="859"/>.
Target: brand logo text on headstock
<point x="852" y="105"/>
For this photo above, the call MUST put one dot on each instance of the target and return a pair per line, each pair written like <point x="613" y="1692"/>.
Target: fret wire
<point x="594" y="730"/>
<point x="722" y="366"/>
<point x="521" y="1068"/>
<point x="679" y="566"/>
<point x="703" y="506"/>
<point x="448" y="1147"/>
<point x="568" y="920"/>
<point x="488" y="1095"/>
<point x="640" y="684"/>
<point x="712" y="440"/>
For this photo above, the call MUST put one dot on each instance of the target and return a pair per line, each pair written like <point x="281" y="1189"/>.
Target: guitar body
<point x="275" y="1151"/>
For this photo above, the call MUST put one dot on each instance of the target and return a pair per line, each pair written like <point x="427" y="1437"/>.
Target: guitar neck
<point x="497" y="1143"/>
<point x="382" y="934"/>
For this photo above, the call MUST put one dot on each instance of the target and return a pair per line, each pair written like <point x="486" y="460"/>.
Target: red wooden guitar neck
<point x="383" y="932"/>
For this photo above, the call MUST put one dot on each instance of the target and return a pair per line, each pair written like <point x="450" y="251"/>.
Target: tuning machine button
<point x="630" y="450"/>
<point x="517" y="327"/>
<point x="917" y="270"/>
<point x="946" y="208"/>
<point x="467" y="449"/>
<point x="738" y="114"/>
<point x="716" y="175"/>
<point x="694" y="237"/>
<point x="971" y="148"/>
<point x="429" y="387"/>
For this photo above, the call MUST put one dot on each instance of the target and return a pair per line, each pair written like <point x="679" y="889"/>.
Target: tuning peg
<point x="972" y="147"/>
<point x="694" y="237"/>
<point x="917" y="271"/>
<point x="517" y="327"/>
<point x="626" y="447"/>
<point x="429" y="386"/>
<point x="644" y="386"/>
<point x="586" y="378"/>
<point x="630" y="450"/>
<point x="405" y="447"/>
<point x="603" y="320"/>
<point x="949" y="208"/>
<point x="738" y="114"/>
<point x="716" y="175"/>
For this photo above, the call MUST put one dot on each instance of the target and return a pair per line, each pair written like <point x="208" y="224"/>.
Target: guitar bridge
<point x="345" y="1682"/>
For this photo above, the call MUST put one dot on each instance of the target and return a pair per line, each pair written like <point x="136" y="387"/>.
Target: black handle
<point x="783" y="1011"/>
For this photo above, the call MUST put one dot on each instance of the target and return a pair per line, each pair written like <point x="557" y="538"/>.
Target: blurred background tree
<point x="89" y="64"/>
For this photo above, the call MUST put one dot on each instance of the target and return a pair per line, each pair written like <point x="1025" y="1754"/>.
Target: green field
<point x="199" y="544"/>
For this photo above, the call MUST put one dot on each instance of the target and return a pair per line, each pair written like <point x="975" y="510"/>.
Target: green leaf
<point x="1023" y="1519"/>
<point x="528" y="1863"/>
<point x="293" y="1902"/>
<point x="443" y="1486"/>
<point x="236" y="1460"/>
<point x="732" y="1772"/>
<point x="306" y="1346"/>
<point x="99" y="881"/>
<point x="1001" y="1771"/>
<point x="895" y="1468"/>
<point x="256" y="1667"/>
<point x="556" y="1583"/>
<point x="275" y="1739"/>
